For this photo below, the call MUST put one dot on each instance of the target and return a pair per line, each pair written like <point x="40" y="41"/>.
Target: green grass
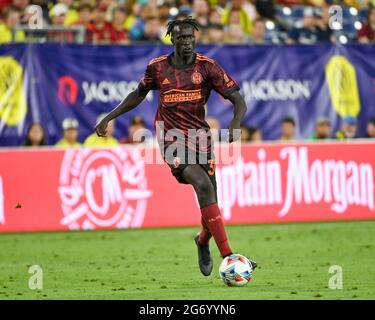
<point x="293" y="259"/>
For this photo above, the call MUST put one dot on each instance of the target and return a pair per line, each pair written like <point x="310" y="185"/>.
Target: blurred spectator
<point x="255" y="134"/>
<point x="21" y="6"/>
<point x="137" y="131"/>
<point x="11" y="19"/>
<point x="4" y="4"/>
<point x="58" y="15"/>
<point x="163" y="14"/>
<point x="94" y="140"/>
<point x="147" y="29"/>
<point x="257" y="34"/>
<point x="215" y="128"/>
<point x="358" y="4"/>
<point x="146" y="21"/>
<point x="322" y="129"/>
<point x="288" y="129"/>
<point x="102" y="28"/>
<point x="152" y="29"/>
<point x="307" y="33"/>
<point x="251" y="134"/>
<point x="92" y="3"/>
<point x="234" y="34"/>
<point x="349" y="128"/>
<point x="218" y="4"/>
<point x="35" y="136"/>
<point x="245" y="134"/>
<point x="371" y="128"/>
<point x="236" y="13"/>
<point x="118" y="33"/>
<point x="71" y="13"/>
<point x="266" y="8"/>
<point x="214" y="33"/>
<point x="367" y="33"/>
<point x="324" y="32"/>
<point x="201" y="11"/>
<point x="85" y="16"/>
<point x="215" y="17"/>
<point x="289" y="3"/>
<point x="70" y="133"/>
<point x="138" y="120"/>
<point x="248" y="6"/>
<point x="184" y="8"/>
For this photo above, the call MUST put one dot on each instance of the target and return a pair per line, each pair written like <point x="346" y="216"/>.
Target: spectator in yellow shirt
<point x="12" y="17"/>
<point x="71" y="13"/>
<point x="108" y="141"/>
<point x="70" y="134"/>
<point x="236" y="12"/>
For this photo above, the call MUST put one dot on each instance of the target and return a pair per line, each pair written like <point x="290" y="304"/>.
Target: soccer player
<point x="184" y="79"/>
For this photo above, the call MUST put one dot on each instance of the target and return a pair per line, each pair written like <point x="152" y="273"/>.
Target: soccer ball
<point x="236" y="270"/>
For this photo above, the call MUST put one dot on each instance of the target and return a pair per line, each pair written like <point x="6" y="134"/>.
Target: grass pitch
<point x="293" y="259"/>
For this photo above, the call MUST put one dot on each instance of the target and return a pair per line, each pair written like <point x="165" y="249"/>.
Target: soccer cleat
<point x="204" y="257"/>
<point x="253" y="264"/>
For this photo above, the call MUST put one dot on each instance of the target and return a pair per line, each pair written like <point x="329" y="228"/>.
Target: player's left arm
<point x="239" y="111"/>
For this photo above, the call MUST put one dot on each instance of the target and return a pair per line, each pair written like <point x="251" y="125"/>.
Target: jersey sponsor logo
<point x="196" y="77"/>
<point x="67" y="90"/>
<point x="166" y="81"/>
<point x="103" y="188"/>
<point x="176" y="95"/>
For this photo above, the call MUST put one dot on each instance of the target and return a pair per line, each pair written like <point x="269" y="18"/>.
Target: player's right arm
<point x="132" y="100"/>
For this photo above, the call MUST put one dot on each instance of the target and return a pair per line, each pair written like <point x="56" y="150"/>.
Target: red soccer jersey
<point x="183" y="93"/>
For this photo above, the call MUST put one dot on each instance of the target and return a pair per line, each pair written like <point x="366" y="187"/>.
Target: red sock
<point x="212" y="217"/>
<point x="205" y="234"/>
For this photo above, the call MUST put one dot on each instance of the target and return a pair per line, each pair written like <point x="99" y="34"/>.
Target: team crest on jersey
<point x="196" y="77"/>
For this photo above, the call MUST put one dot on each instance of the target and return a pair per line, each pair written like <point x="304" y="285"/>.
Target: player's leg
<point x="196" y="176"/>
<point x="205" y="234"/>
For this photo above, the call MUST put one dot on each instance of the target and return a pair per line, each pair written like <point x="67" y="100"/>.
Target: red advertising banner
<point x="55" y="189"/>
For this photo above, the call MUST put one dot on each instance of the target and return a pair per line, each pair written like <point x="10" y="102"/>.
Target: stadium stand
<point x="144" y="20"/>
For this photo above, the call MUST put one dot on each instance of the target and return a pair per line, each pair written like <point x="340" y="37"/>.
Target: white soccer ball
<point x="236" y="270"/>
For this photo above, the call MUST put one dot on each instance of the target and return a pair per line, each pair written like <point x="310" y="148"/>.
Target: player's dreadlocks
<point x="187" y="21"/>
